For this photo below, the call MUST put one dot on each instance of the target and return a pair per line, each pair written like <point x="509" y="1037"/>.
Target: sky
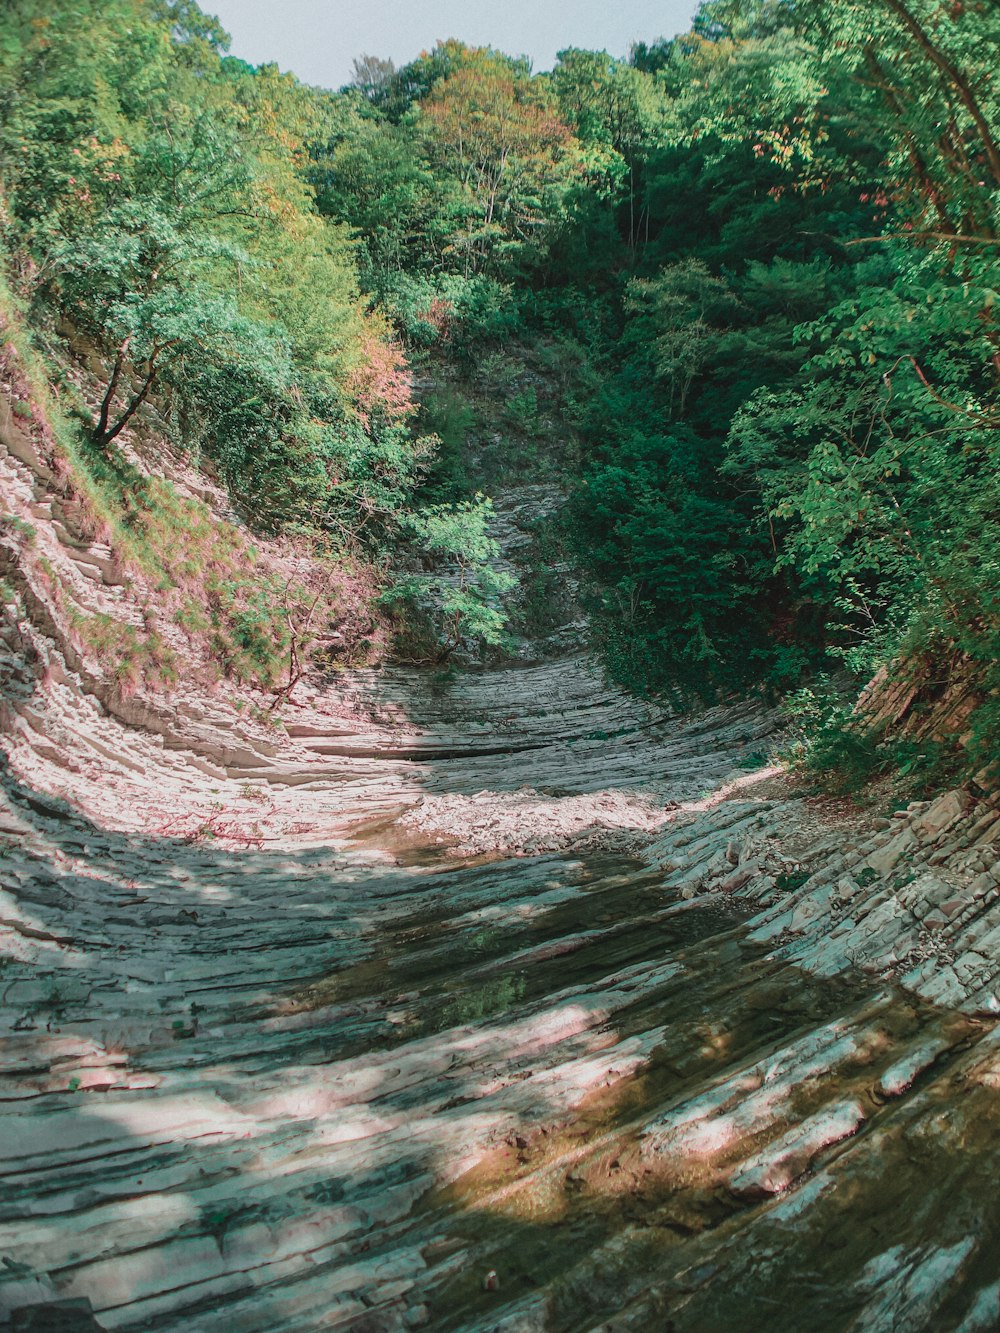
<point x="318" y="39"/>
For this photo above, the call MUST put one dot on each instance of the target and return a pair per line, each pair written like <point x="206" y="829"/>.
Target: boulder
<point x="941" y="814"/>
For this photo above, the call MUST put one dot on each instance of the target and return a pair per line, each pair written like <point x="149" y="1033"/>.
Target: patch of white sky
<point x="318" y="40"/>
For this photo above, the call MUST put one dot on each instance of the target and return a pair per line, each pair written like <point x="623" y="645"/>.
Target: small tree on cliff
<point x="464" y="592"/>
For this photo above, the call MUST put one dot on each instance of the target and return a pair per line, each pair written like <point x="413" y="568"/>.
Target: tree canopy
<point x="764" y="253"/>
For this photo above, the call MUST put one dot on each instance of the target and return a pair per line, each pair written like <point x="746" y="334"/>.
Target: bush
<point x="464" y="594"/>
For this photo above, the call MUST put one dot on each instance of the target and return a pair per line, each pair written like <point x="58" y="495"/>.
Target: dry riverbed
<point x="499" y="1002"/>
<point x="575" y="1024"/>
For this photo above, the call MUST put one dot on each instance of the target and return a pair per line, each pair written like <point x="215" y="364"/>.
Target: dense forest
<point x="752" y="267"/>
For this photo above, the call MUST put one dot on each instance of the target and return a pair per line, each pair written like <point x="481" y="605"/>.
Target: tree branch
<point x="953" y="238"/>
<point x="917" y="161"/>
<point x="957" y="80"/>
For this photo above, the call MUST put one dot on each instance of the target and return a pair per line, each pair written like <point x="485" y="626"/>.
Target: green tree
<point x="465" y="593"/>
<point x="497" y="133"/>
<point x="617" y="108"/>
<point x="375" y="181"/>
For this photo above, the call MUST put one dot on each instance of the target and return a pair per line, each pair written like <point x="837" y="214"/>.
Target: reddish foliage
<point x="382" y="386"/>
<point x="439" y="315"/>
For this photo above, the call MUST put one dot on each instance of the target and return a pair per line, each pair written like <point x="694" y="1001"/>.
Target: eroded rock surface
<point x="497" y="1003"/>
<point x="337" y="1077"/>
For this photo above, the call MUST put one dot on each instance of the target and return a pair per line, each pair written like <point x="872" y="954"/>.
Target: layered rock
<point x="502" y="1002"/>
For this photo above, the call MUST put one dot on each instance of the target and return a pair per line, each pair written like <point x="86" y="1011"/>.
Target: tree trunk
<point x="105" y="436"/>
<point x="100" y="432"/>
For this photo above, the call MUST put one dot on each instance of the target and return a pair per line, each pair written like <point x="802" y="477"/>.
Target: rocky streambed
<point x="585" y="1021"/>
<point x="496" y="1002"/>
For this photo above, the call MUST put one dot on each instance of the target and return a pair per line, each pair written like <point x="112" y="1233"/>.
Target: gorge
<point x="577" y="909"/>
